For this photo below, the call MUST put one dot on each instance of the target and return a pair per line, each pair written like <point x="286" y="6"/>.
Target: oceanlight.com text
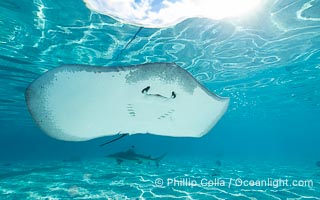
<point x="231" y="182"/>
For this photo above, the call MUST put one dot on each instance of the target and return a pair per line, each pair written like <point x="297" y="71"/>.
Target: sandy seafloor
<point x="105" y="179"/>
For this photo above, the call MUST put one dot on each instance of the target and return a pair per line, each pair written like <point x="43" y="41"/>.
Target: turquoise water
<point x="269" y="66"/>
<point x="194" y="180"/>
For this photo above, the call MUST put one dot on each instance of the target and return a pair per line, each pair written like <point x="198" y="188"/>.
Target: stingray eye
<point x="173" y="95"/>
<point x="145" y="89"/>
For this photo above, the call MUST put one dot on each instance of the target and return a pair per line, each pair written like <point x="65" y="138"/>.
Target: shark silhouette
<point x="131" y="155"/>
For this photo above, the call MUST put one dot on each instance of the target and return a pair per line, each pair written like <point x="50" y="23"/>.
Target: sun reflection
<point x="164" y="13"/>
<point x="220" y="9"/>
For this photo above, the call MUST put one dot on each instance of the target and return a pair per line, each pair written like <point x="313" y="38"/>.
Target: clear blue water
<point x="268" y="65"/>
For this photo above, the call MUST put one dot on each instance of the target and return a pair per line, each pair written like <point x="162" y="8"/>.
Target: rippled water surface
<point x="268" y="63"/>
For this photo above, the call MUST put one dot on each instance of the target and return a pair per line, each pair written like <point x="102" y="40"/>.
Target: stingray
<point x="80" y="102"/>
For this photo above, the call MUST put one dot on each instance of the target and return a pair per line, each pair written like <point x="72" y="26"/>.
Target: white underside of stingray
<point x="78" y="103"/>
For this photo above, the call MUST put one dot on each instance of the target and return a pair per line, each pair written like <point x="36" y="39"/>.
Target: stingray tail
<point x="158" y="159"/>
<point x="118" y="138"/>
<point x="135" y="35"/>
